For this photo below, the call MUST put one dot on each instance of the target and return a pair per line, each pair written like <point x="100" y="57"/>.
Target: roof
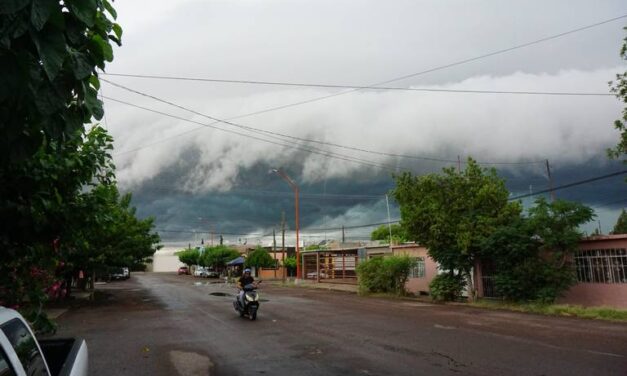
<point x="604" y="237"/>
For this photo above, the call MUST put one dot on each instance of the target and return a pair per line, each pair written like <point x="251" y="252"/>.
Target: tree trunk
<point x="471" y="286"/>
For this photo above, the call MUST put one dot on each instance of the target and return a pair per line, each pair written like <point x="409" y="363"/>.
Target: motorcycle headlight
<point x="251" y="297"/>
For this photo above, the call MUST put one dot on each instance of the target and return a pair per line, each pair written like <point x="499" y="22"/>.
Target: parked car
<point x="200" y="271"/>
<point x="21" y="354"/>
<point x="119" y="273"/>
<point x="183" y="270"/>
<point x="313" y="275"/>
<point x="212" y="274"/>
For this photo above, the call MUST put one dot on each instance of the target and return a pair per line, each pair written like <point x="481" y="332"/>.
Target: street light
<point x="295" y="188"/>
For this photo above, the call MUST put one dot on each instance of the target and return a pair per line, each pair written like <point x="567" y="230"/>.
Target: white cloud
<point x="489" y="127"/>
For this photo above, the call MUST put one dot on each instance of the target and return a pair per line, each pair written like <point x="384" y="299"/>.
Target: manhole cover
<point x="219" y="294"/>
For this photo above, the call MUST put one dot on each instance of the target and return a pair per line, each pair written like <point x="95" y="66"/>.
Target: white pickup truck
<point x="22" y="355"/>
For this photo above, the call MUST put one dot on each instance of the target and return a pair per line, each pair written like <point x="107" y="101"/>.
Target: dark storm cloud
<point x="252" y="209"/>
<point x="181" y="171"/>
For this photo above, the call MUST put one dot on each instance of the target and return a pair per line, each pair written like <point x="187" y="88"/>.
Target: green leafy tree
<point x="451" y="213"/>
<point x="532" y="256"/>
<point x="189" y="257"/>
<point x="619" y="88"/>
<point x="621" y="224"/>
<point x="383" y="233"/>
<point x="290" y="264"/>
<point x="260" y="258"/>
<point x="49" y="53"/>
<point x="107" y="233"/>
<point x="217" y="257"/>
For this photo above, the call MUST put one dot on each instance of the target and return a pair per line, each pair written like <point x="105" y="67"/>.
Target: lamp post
<point x="295" y="188"/>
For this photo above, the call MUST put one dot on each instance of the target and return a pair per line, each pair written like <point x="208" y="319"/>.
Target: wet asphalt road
<point x="163" y="324"/>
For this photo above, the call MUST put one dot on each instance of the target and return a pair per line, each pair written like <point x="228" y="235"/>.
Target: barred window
<point x="602" y="265"/>
<point x="418" y="271"/>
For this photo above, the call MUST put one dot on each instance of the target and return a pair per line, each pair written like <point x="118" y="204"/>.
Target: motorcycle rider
<point x="244" y="280"/>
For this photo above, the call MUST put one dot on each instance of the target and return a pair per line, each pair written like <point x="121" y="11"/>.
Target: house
<point x="424" y="270"/>
<point x="601" y="268"/>
<point x="339" y="265"/>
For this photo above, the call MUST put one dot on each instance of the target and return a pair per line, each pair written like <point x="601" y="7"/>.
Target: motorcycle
<point x="251" y="302"/>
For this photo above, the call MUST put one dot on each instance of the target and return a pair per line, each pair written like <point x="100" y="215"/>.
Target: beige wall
<point x="165" y="260"/>
<point x="416" y="285"/>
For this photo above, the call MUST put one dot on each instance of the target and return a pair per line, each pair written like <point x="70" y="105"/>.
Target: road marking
<point x="444" y="327"/>
<point x="605" y="353"/>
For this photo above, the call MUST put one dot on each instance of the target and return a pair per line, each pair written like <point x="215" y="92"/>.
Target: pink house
<point x="601" y="265"/>
<point x="601" y="270"/>
<point x="423" y="272"/>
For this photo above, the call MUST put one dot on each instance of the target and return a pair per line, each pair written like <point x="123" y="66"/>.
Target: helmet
<point x="246" y="270"/>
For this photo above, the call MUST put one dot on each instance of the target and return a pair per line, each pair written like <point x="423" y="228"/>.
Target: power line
<point x="281" y="136"/>
<point x="460" y="62"/>
<point x="306" y="149"/>
<point x="336" y="86"/>
<point x="304" y="195"/>
<point x="308" y="231"/>
<point x="573" y="184"/>
<point x="437" y="68"/>
<point x="208" y="232"/>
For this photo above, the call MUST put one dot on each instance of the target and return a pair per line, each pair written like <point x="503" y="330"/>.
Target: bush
<point x="386" y="275"/>
<point x="447" y="287"/>
<point x="260" y="258"/>
<point x="290" y="264"/>
<point x="534" y="280"/>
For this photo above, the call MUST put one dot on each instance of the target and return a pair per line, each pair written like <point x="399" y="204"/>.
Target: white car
<point x="201" y="271"/>
<point x="313" y="275"/>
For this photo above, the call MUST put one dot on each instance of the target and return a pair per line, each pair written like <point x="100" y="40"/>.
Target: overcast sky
<point x="181" y="170"/>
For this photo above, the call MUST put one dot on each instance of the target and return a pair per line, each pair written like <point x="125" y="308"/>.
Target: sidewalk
<point x="57" y="308"/>
<point x="345" y="287"/>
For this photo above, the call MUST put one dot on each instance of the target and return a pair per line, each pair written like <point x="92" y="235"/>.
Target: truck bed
<point x="65" y="356"/>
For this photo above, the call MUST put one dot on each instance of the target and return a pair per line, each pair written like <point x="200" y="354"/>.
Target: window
<point x="602" y="266"/>
<point x="25" y="348"/>
<point x="418" y="271"/>
<point x="5" y="368"/>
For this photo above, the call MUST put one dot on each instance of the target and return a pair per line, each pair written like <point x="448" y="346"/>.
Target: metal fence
<point x="489" y="291"/>
<point x="331" y="266"/>
<point x="602" y="266"/>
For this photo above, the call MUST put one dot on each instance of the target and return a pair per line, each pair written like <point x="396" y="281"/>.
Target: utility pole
<point x="211" y="227"/>
<point x="283" y="245"/>
<point x="387" y="203"/>
<point x="343" y="238"/>
<point x="274" y="251"/>
<point x="548" y="174"/>
<point x="459" y="164"/>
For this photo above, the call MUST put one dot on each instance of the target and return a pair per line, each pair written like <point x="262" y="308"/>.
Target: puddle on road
<point x="219" y="294"/>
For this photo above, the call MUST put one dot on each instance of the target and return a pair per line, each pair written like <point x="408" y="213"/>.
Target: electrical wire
<point x="569" y="185"/>
<point x="281" y="136"/>
<point x="335" y="86"/>
<point x="564" y="186"/>
<point x="309" y="149"/>
<point x="456" y="63"/>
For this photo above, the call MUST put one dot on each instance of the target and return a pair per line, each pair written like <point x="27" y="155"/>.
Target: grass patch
<point x="595" y="313"/>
